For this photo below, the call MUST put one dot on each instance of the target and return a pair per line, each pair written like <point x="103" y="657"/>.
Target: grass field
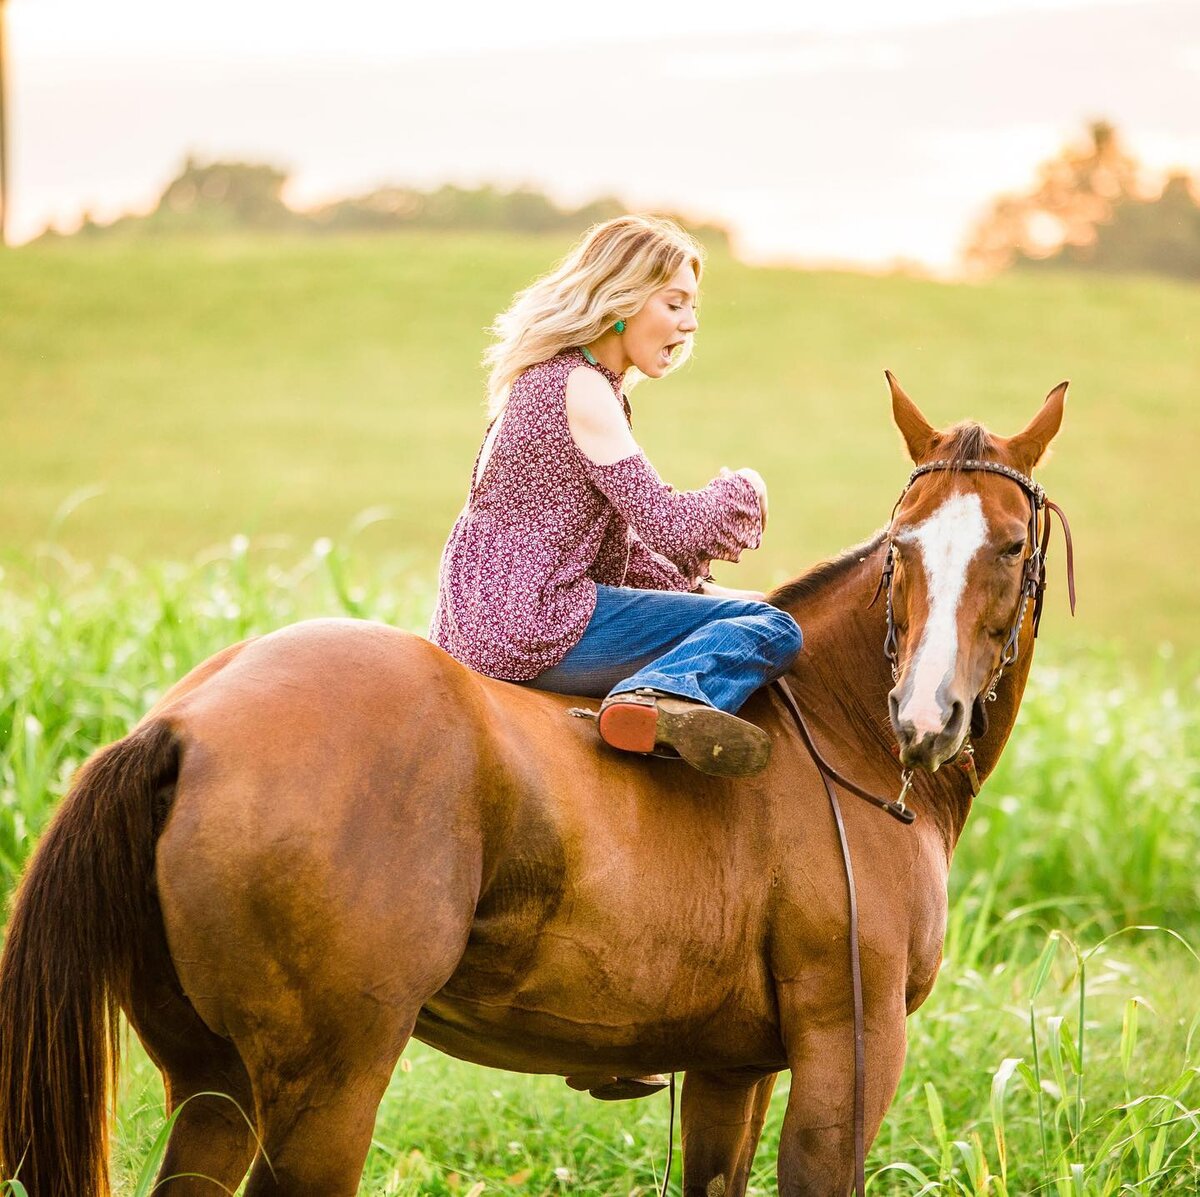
<point x="1087" y="828"/>
<point x="175" y="394"/>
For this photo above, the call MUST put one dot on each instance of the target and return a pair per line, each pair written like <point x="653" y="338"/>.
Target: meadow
<point x="201" y="441"/>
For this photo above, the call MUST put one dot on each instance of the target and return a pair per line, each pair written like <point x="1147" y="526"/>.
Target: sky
<point x="58" y="30"/>
<point x="852" y="133"/>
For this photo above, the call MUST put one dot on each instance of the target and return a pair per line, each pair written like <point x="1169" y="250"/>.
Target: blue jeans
<point x="714" y="650"/>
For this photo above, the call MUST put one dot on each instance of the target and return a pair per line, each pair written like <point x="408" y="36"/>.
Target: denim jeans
<point x="714" y="650"/>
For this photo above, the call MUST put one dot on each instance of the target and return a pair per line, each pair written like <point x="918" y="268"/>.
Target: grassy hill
<point x="190" y="391"/>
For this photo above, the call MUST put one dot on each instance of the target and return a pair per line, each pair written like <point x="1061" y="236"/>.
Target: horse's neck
<point x="841" y="680"/>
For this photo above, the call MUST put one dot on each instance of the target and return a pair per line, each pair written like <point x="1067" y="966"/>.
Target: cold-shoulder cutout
<point x="596" y="419"/>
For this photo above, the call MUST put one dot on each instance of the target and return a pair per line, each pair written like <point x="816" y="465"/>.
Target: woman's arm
<point x="648" y="570"/>
<point x="689" y="527"/>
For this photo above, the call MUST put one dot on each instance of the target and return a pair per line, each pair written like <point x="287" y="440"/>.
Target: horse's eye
<point x="1016" y="549"/>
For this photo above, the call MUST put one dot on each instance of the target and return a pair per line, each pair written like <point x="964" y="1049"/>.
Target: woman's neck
<point x="610" y="353"/>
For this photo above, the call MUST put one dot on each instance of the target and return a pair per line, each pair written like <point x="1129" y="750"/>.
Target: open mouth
<point x="667" y="353"/>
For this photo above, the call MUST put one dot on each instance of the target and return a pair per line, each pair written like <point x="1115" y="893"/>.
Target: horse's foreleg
<point x="722" y="1118"/>
<point x="816" y="1144"/>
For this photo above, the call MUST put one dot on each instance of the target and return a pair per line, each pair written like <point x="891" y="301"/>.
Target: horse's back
<point x="315" y="655"/>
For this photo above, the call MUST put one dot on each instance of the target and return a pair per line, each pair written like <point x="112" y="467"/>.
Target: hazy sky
<point x="859" y="131"/>
<point x="54" y="30"/>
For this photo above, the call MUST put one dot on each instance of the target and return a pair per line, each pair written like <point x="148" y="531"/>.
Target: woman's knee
<point x="782" y="630"/>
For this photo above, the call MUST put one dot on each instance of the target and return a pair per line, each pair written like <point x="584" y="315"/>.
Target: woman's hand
<point x="728" y="592"/>
<point x="756" y="480"/>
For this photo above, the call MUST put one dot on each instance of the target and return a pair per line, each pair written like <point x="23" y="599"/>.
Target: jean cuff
<point x="659" y="681"/>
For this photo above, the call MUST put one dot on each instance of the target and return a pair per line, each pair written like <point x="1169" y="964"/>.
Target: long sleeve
<point x="648" y="570"/>
<point x="689" y="528"/>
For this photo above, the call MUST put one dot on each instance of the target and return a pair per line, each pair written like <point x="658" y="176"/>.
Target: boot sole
<point x="712" y="741"/>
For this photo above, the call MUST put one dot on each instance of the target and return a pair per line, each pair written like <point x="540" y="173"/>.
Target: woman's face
<point x="652" y="335"/>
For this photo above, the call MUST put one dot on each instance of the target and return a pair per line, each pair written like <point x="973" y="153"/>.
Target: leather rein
<point x="1033" y="588"/>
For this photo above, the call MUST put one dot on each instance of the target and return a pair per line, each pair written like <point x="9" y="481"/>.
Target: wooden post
<point x="3" y="138"/>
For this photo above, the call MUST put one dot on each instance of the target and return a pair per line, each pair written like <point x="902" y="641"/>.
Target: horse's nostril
<point x="954" y="723"/>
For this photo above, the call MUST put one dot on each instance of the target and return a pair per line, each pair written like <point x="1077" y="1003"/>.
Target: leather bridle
<point x="1033" y="589"/>
<point x="1033" y="575"/>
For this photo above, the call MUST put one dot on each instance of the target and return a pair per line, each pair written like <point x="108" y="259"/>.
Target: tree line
<point x="216" y="197"/>
<point x="1090" y="208"/>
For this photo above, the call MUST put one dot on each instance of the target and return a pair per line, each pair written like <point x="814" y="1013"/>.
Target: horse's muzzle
<point x="928" y="747"/>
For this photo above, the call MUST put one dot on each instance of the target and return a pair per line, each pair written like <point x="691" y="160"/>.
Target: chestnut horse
<point x="326" y="840"/>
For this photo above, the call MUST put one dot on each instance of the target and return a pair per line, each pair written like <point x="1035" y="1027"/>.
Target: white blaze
<point x="947" y="540"/>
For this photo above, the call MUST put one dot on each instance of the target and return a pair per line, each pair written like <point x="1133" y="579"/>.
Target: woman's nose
<point x="689" y="323"/>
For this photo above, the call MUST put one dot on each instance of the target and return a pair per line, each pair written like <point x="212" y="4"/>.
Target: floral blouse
<point x="544" y="524"/>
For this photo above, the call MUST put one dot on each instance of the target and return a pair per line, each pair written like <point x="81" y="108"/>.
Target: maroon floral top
<point x="545" y="523"/>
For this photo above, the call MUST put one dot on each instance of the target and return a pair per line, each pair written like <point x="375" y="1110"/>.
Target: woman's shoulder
<point x="557" y="369"/>
<point x="554" y="371"/>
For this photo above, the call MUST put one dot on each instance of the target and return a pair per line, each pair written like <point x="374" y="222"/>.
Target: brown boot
<point x="619" y="1088"/>
<point x="710" y="740"/>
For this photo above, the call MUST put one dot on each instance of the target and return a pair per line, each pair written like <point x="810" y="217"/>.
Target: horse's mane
<point x="814" y="580"/>
<point x="966" y="441"/>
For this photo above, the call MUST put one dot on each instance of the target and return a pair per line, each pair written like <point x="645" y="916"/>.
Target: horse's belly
<point x="595" y="1002"/>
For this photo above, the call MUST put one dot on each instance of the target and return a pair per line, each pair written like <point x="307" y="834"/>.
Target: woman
<point x="573" y="567"/>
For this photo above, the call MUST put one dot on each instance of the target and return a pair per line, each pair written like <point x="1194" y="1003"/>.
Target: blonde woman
<point x="573" y="567"/>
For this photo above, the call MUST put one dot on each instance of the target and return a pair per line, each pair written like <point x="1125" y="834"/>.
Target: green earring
<point x="619" y="327"/>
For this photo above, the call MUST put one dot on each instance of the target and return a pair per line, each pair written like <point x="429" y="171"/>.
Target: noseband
<point x="1033" y="577"/>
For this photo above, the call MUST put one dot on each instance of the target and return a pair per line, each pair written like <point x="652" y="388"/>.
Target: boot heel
<point x="629" y="726"/>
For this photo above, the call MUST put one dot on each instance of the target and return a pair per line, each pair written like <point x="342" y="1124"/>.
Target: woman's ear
<point x="918" y="433"/>
<point x="1030" y="444"/>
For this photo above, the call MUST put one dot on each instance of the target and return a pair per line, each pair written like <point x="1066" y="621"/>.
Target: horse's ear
<point x="1029" y="446"/>
<point x="918" y="433"/>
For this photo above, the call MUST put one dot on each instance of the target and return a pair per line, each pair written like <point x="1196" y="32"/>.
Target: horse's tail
<point x="80" y="914"/>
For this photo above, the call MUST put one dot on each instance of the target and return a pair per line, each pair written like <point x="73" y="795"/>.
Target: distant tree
<point x="1155" y="236"/>
<point x="238" y="194"/>
<point x="1076" y="191"/>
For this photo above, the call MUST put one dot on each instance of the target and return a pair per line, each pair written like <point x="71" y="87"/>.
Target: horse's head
<point x="963" y="559"/>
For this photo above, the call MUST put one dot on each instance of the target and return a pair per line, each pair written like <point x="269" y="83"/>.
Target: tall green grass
<point x="1052" y="1056"/>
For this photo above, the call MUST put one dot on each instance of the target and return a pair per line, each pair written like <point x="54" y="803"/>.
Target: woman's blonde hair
<point x="608" y="276"/>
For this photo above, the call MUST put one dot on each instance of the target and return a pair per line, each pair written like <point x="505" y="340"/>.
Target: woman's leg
<point x="712" y="650"/>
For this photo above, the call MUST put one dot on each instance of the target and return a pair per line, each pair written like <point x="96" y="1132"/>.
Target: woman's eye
<point x="675" y="307"/>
